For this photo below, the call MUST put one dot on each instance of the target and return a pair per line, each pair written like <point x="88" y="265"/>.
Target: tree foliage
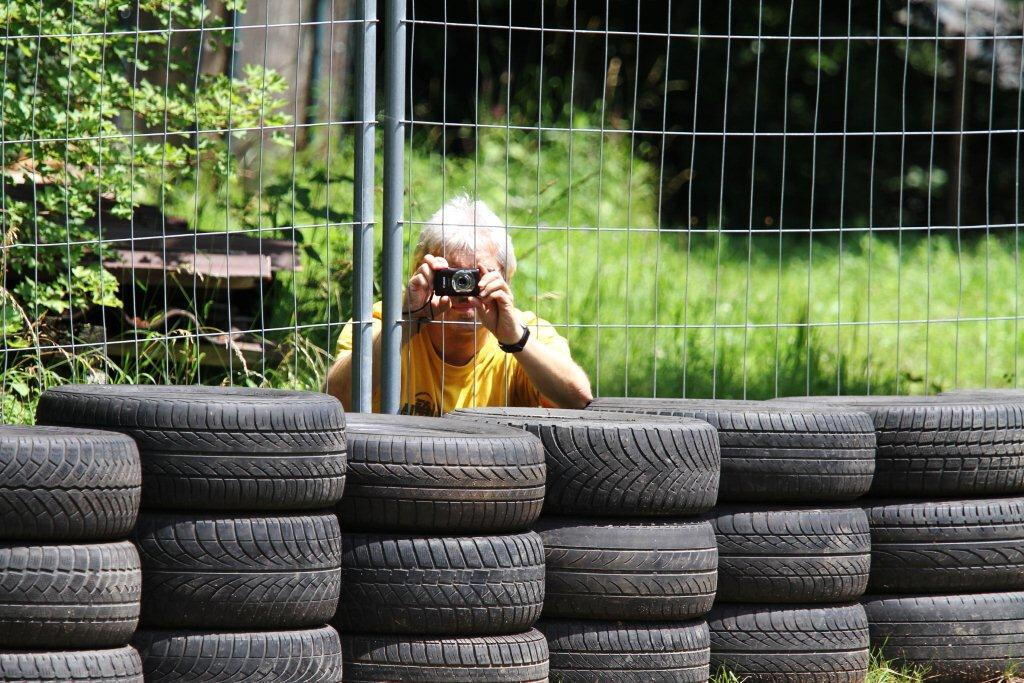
<point x="801" y="109"/>
<point x="105" y="105"/>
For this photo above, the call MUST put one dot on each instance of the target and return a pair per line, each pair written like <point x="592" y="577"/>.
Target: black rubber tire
<point x="68" y="596"/>
<point x="628" y="569"/>
<point x="218" y="448"/>
<point x="516" y="658"/>
<point x="425" y="474"/>
<point x="67" y="484"/>
<point x="934" y="446"/>
<point x="463" y="585"/>
<point x="777" y="453"/>
<point x="584" y="651"/>
<point x="616" y="465"/>
<point x="222" y="571"/>
<point x="119" y="665"/>
<point x="950" y="546"/>
<point x="972" y="637"/>
<point x="791" y="554"/>
<point x="790" y="643"/>
<point x="303" y="656"/>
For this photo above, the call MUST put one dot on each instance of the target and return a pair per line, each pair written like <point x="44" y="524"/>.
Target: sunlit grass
<point x="647" y="311"/>
<point x="884" y="670"/>
<point x="725" y="677"/>
<point x="701" y="312"/>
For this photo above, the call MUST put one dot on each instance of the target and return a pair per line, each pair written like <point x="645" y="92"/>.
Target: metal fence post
<point x="363" y="246"/>
<point x="394" y="190"/>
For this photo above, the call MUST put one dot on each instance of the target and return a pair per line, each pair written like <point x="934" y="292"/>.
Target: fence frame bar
<point x="363" y="242"/>
<point x="394" y="195"/>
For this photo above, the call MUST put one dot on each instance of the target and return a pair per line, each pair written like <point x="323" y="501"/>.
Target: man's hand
<point x="557" y="378"/>
<point x="496" y="309"/>
<point x="420" y="290"/>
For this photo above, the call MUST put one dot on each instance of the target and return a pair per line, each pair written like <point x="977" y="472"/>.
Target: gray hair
<point x="462" y="226"/>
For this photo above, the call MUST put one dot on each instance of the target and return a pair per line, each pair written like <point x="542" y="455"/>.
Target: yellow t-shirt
<point x="492" y="378"/>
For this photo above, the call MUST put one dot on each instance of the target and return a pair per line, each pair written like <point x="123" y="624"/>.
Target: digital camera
<point x="457" y="282"/>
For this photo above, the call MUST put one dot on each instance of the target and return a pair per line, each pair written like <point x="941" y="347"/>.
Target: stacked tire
<point x="631" y="570"/>
<point x="793" y="550"/>
<point x="947" y="528"/>
<point x="69" y="579"/>
<point x="240" y="549"/>
<point x="442" y="578"/>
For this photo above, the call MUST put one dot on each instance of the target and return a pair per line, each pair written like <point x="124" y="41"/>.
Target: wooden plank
<point x="146" y="237"/>
<point x="208" y="271"/>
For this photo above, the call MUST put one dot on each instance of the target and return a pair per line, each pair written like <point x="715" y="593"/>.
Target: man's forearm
<point x="555" y="375"/>
<point x="339" y="378"/>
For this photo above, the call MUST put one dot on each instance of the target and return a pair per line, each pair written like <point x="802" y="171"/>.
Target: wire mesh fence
<point x="706" y="198"/>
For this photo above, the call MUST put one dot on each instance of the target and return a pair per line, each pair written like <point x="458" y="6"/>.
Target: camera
<point x="456" y="282"/>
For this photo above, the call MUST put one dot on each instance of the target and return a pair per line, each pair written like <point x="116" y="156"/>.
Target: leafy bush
<point x="97" y="116"/>
<point x="80" y="99"/>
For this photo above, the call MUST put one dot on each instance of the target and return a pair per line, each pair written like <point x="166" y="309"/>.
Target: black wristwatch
<point x="519" y="345"/>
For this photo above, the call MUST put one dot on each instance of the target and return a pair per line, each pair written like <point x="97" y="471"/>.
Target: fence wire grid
<point x="707" y="198"/>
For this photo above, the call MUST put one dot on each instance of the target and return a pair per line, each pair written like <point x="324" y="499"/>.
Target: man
<point x="469" y="351"/>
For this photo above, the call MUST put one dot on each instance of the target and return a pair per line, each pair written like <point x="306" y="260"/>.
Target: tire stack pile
<point x="241" y="555"/>
<point x="793" y="550"/>
<point x="69" y="580"/>
<point x="442" y="579"/>
<point x="630" y="572"/>
<point x="947" y="528"/>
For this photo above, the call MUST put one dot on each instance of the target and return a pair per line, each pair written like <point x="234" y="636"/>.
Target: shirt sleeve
<point x="345" y="339"/>
<point x="547" y="335"/>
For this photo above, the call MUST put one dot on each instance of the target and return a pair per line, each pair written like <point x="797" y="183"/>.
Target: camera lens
<point x="463" y="281"/>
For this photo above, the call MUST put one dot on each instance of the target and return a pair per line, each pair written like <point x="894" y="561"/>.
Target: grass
<point x="881" y="670"/>
<point x="671" y="312"/>
<point x="678" y="312"/>
<point x="703" y="312"/>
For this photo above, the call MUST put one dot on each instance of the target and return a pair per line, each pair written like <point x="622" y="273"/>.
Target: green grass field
<point x="704" y="312"/>
<point x="670" y="311"/>
<point x="677" y="312"/>
<point x="882" y="671"/>
<point x="673" y="312"/>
